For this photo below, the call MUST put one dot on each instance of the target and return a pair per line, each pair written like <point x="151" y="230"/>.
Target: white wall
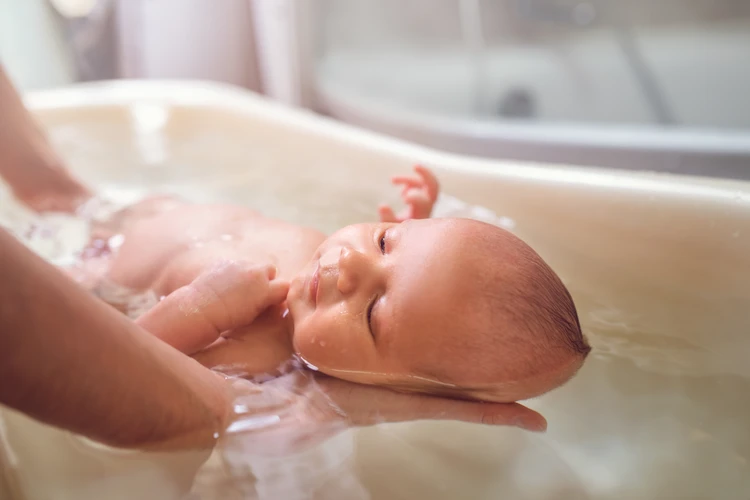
<point x="32" y="45"/>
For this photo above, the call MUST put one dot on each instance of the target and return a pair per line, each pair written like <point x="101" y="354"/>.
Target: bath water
<point x="660" y="409"/>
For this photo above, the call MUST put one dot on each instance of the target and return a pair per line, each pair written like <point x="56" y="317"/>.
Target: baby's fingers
<point x="419" y="203"/>
<point x="277" y="292"/>
<point x="407" y="182"/>
<point x="429" y="181"/>
<point x="386" y="214"/>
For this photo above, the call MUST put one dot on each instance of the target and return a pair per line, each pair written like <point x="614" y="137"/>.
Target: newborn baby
<point x="452" y="307"/>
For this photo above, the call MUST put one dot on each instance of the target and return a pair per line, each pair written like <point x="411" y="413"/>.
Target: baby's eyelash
<point x="382" y="242"/>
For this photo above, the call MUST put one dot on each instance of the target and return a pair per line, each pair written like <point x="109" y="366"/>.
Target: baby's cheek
<point x="314" y="350"/>
<point x="326" y="347"/>
<point x="307" y="343"/>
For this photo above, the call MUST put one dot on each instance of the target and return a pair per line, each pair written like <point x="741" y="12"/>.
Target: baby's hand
<point x="226" y="297"/>
<point x="418" y="193"/>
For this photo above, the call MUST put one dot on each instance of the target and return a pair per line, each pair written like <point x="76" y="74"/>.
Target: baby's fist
<point x="418" y="193"/>
<point x="229" y="295"/>
<point x="242" y="290"/>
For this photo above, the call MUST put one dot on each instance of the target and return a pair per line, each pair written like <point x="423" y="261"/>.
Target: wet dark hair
<point x="530" y="304"/>
<point x="515" y="301"/>
<point x="552" y="311"/>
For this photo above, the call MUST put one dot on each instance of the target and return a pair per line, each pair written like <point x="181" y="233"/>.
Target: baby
<point x="452" y="307"/>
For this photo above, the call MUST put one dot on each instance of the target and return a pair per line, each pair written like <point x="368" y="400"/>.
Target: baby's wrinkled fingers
<point x="269" y="271"/>
<point x="233" y="274"/>
<point x="237" y="284"/>
<point x="386" y="214"/>
<point x="277" y="292"/>
<point x="429" y="181"/>
<point x="407" y="181"/>
<point x="420" y="204"/>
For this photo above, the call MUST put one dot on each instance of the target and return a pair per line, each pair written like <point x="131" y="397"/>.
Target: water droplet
<point x="116" y="241"/>
<point x="216" y="435"/>
<point x="322" y="343"/>
<point x="308" y="364"/>
<point x="240" y="408"/>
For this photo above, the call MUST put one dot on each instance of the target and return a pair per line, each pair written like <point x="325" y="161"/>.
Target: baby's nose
<point x="352" y="266"/>
<point x="347" y="281"/>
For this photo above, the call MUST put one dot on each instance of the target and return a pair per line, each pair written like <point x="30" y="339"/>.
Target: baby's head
<point x="452" y="307"/>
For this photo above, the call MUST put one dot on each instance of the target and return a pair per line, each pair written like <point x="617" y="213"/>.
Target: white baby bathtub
<point x="590" y="107"/>
<point x="659" y="266"/>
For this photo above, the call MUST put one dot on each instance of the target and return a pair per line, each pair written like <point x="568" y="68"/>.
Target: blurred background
<point x="633" y="84"/>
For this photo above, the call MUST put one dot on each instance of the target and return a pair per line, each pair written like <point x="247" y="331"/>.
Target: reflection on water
<point x="660" y="410"/>
<point x="285" y="441"/>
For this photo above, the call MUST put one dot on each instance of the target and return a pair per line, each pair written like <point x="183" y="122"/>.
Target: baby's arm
<point x="418" y="193"/>
<point x="226" y="297"/>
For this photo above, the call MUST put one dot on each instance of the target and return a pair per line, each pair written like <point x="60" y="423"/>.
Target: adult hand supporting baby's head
<point x="304" y="408"/>
<point x="368" y="405"/>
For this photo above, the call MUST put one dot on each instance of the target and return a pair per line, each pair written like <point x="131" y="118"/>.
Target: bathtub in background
<point x="659" y="266"/>
<point x="680" y="107"/>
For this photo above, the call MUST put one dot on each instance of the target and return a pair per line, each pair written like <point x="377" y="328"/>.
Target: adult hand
<point x="368" y="405"/>
<point x="303" y="408"/>
<point x="44" y="185"/>
<point x="29" y="164"/>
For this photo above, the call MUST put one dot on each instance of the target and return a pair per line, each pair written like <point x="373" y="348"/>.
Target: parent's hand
<point x="44" y="185"/>
<point x="303" y="408"/>
<point x="28" y="163"/>
<point x="367" y="405"/>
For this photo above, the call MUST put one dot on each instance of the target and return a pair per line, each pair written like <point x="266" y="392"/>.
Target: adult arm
<point x="72" y="361"/>
<point x="27" y="162"/>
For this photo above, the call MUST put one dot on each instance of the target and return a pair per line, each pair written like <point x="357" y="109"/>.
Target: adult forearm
<point x="27" y="161"/>
<point x="21" y="141"/>
<point x="71" y="361"/>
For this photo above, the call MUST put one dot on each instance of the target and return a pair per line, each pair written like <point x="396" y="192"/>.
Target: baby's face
<point x="381" y="303"/>
<point x="389" y="304"/>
